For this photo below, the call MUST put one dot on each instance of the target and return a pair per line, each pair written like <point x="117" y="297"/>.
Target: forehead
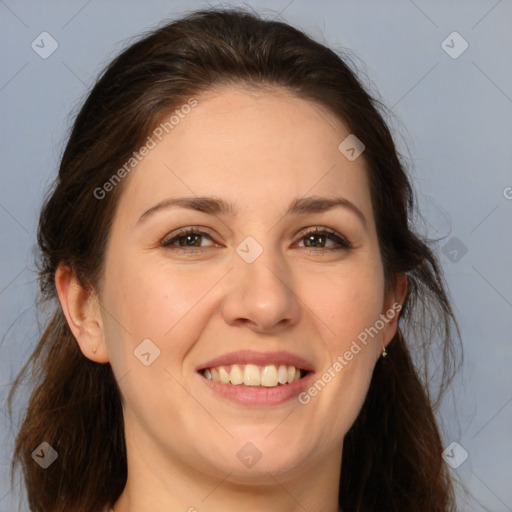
<point x="249" y="145"/>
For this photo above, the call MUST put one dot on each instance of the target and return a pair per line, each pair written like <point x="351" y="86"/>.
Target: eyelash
<point x="344" y="244"/>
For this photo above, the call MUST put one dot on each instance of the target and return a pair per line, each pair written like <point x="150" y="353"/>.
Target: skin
<point x="260" y="151"/>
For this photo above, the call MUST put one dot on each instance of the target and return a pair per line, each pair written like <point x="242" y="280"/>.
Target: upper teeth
<point x="253" y="375"/>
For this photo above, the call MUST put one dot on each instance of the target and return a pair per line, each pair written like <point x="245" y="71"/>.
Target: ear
<point x="392" y="307"/>
<point x="83" y="314"/>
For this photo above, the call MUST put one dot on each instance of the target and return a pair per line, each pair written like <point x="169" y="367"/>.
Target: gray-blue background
<point x="453" y="116"/>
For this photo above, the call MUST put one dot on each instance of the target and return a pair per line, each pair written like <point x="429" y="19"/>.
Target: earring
<point x="94" y="350"/>
<point x="384" y="353"/>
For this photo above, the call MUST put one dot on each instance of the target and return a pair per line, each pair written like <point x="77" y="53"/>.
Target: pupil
<point x="311" y="239"/>
<point x="190" y="240"/>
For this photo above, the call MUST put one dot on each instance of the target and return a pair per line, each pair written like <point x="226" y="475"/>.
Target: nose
<point x="261" y="296"/>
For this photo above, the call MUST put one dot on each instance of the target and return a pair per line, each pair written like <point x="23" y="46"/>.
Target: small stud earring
<point x="94" y="350"/>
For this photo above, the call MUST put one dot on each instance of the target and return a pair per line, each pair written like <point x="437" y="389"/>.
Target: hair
<point x="392" y="454"/>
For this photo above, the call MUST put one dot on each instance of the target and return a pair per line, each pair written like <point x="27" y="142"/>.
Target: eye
<point x="190" y="239"/>
<point x="323" y="238"/>
<point x="185" y="239"/>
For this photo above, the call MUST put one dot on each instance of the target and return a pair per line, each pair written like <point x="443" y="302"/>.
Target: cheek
<point x="348" y="301"/>
<point x="355" y="301"/>
<point x="354" y="305"/>
<point x="152" y="301"/>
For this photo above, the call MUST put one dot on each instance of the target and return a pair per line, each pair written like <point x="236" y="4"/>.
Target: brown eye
<point x="186" y="238"/>
<point x="320" y="238"/>
<point x="193" y="240"/>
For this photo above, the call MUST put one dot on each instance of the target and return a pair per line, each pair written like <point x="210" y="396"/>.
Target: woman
<point x="229" y="242"/>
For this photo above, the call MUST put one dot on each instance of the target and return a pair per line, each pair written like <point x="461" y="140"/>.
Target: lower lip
<point x="247" y="395"/>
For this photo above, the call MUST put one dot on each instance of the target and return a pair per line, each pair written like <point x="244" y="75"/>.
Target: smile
<point x="269" y="375"/>
<point x="254" y="378"/>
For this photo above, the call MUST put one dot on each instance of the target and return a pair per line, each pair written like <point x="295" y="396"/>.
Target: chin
<point x="255" y="457"/>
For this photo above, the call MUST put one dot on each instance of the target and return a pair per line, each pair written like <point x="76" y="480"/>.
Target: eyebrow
<point x="217" y="206"/>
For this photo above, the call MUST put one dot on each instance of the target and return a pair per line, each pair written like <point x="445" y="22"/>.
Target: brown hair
<point x="392" y="454"/>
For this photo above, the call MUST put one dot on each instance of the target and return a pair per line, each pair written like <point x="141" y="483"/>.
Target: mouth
<point x="252" y="375"/>
<point x="256" y="378"/>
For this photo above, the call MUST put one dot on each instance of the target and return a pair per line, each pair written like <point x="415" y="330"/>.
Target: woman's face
<point x="250" y="291"/>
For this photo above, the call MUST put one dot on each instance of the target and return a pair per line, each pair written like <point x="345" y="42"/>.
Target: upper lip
<point x="258" y="358"/>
